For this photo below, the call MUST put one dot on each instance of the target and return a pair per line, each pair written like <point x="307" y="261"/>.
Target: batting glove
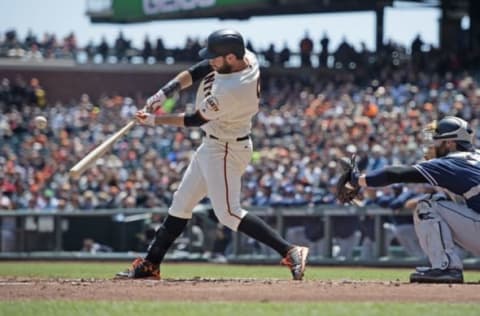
<point x="145" y="118"/>
<point x="156" y="101"/>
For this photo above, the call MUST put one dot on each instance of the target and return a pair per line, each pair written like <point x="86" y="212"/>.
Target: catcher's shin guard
<point x="435" y="236"/>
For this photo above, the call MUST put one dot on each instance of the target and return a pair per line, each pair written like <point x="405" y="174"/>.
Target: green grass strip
<point x="172" y="270"/>
<point x="251" y="309"/>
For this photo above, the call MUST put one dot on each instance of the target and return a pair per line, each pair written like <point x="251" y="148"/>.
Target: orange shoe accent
<point x="141" y="269"/>
<point x="296" y="261"/>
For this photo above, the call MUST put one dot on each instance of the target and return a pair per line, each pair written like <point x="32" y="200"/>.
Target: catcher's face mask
<point x="428" y="142"/>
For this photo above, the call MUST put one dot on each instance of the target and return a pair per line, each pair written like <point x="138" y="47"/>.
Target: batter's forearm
<point x="171" y="119"/>
<point x="181" y="81"/>
<point x="185" y="79"/>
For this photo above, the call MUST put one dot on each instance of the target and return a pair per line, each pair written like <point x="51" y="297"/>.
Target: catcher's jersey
<point x="229" y="101"/>
<point x="459" y="173"/>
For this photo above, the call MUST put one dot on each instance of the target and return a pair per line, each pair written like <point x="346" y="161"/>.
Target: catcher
<point x="452" y="165"/>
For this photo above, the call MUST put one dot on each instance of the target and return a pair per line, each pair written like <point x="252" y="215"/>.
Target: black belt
<point x="238" y="139"/>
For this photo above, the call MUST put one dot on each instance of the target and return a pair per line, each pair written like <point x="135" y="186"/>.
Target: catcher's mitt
<point x="346" y="191"/>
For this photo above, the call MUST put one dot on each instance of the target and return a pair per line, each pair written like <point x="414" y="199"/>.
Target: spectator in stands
<point x="367" y="225"/>
<point x="38" y="94"/>
<point x="147" y="51"/>
<point x="93" y="247"/>
<point x="33" y="53"/>
<point x="30" y="39"/>
<point x="344" y="55"/>
<point x="121" y="47"/>
<point x="284" y="56"/>
<point x="346" y="233"/>
<point x="401" y="227"/>
<point x="103" y="49"/>
<point x="416" y="51"/>
<point x="306" y="49"/>
<point x="11" y="40"/>
<point x="70" y="44"/>
<point x="90" y="50"/>
<point x="160" y="53"/>
<point x="49" y="45"/>
<point x="377" y="158"/>
<point x="310" y="233"/>
<point x="8" y="224"/>
<point x="323" y="57"/>
<point x="271" y="55"/>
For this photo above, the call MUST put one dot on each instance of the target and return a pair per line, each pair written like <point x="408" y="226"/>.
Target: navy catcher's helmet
<point x="222" y="43"/>
<point x="451" y="128"/>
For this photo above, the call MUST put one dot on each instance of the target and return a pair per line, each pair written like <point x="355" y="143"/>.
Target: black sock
<point x="165" y="235"/>
<point x="256" y="228"/>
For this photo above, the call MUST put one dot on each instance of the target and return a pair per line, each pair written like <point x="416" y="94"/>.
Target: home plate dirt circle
<point x="254" y="290"/>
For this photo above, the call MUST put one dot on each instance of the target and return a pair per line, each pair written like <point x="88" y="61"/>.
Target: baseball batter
<point x="452" y="165"/>
<point x="227" y="99"/>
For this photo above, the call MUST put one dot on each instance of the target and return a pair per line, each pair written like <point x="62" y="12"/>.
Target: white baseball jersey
<point x="228" y="101"/>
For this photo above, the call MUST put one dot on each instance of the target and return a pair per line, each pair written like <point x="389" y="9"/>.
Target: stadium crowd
<point x="309" y="52"/>
<point x="305" y="124"/>
<point x="299" y="134"/>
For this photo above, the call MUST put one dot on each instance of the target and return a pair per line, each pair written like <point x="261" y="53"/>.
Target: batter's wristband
<point x="171" y="88"/>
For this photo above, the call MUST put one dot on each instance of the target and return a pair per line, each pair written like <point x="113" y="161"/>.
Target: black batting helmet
<point x="222" y="43"/>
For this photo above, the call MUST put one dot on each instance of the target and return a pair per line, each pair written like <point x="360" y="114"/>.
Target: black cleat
<point x="141" y="269"/>
<point x="296" y="260"/>
<point x="437" y="276"/>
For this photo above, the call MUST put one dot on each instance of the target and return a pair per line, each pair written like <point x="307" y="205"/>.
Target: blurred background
<point x="338" y="78"/>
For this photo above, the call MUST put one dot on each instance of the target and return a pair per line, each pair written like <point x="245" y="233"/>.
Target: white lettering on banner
<point x="151" y="7"/>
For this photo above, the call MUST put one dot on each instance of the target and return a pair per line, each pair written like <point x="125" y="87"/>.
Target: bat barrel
<point x="99" y="151"/>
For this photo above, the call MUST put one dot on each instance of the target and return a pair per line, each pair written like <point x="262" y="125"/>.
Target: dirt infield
<point x="202" y="290"/>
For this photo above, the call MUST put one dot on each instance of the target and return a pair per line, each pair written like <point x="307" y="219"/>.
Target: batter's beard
<point x="225" y="69"/>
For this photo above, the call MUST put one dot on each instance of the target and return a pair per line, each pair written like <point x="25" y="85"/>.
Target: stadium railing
<point x="50" y="234"/>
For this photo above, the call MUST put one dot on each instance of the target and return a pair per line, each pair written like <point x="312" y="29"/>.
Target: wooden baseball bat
<point x="99" y="151"/>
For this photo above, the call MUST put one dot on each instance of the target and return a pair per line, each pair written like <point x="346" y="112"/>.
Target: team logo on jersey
<point x="208" y="84"/>
<point x="212" y="103"/>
